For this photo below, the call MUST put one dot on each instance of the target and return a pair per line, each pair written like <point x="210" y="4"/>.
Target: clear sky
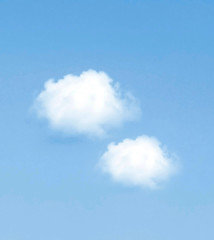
<point x="160" y="51"/>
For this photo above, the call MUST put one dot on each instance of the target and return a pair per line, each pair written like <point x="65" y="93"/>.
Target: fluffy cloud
<point x="85" y="104"/>
<point x="142" y="161"/>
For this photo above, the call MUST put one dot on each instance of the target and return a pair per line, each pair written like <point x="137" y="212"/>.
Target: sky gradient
<point x="160" y="51"/>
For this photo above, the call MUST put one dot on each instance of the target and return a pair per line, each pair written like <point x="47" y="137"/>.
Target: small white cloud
<point x="85" y="104"/>
<point x="142" y="162"/>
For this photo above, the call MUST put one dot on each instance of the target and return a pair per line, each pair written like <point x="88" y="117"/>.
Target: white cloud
<point x="142" y="161"/>
<point x="85" y="104"/>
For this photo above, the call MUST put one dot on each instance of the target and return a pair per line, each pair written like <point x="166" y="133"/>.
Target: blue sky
<point x="160" y="51"/>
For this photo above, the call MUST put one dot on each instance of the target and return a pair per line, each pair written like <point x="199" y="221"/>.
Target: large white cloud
<point x="142" y="161"/>
<point x="85" y="104"/>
